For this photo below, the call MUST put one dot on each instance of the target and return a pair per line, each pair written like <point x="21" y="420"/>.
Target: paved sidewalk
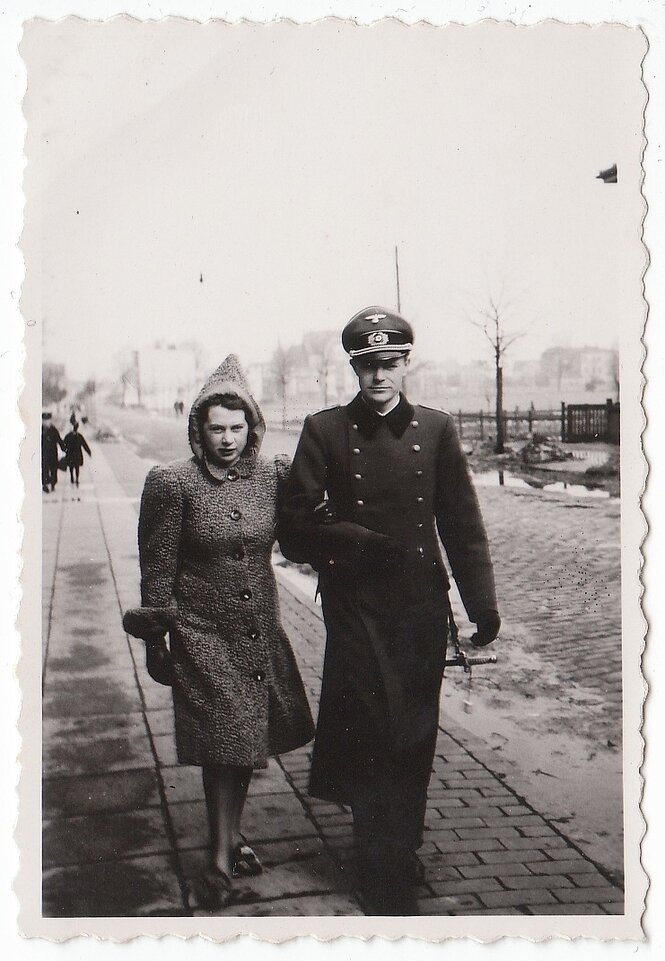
<point x="124" y="824"/>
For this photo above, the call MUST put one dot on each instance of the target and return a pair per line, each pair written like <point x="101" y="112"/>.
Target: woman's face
<point x="225" y="435"/>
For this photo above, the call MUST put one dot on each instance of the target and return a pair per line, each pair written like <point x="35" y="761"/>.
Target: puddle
<point x="503" y="478"/>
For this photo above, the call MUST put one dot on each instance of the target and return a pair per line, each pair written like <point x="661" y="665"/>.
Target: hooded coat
<point x="206" y="535"/>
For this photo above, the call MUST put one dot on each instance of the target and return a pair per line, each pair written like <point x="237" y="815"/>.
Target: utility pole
<point x="399" y="303"/>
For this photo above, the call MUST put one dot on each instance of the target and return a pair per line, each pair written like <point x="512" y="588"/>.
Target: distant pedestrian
<point x="51" y="441"/>
<point x="74" y="445"/>
<point x="206" y="533"/>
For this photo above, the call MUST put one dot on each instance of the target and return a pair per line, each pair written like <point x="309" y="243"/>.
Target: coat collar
<point x="242" y="468"/>
<point x="369" y="421"/>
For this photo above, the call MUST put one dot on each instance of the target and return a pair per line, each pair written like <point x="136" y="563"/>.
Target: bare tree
<point x="282" y="368"/>
<point x="324" y="365"/>
<point x="492" y="324"/>
<point x="53" y="383"/>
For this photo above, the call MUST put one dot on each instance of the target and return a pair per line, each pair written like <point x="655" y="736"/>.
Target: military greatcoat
<point x="385" y="599"/>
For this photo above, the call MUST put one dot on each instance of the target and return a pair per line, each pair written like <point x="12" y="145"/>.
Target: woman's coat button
<point x="246" y="595"/>
<point x="416" y="447"/>
<point x="233" y="474"/>
<point x="259" y="675"/>
<point x="235" y="514"/>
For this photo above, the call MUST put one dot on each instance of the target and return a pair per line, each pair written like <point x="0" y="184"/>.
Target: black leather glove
<point x="488" y="626"/>
<point x="352" y="544"/>
<point x="158" y="661"/>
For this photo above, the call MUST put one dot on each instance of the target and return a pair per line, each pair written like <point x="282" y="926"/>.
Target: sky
<point x="241" y="185"/>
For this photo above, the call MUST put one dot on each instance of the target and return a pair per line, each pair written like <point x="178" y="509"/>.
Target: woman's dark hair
<point x="231" y="402"/>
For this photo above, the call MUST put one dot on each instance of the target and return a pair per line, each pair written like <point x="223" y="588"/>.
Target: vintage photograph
<point x="335" y="341"/>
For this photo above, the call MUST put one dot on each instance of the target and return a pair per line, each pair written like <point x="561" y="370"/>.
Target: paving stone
<point x="448" y="905"/>
<point x="68" y="756"/>
<point x="102" y="837"/>
<point x="165" y="748"/>
<point x="548" y="844"/>
<point x="580" y="867"/>
<point x="319" y="905"/>
<point x="612" y="908"/>
<point x="496" y="899"/>
<point x="160" y="721"/>
<point x="475" y="886"/>
<point x="135" y="887"/>
<point x="564" y="909"/>
<point x="124" y="790"/>
<point x="182" y="782"/>
<point x="598" y="894"/>
<point x="491" y="870"/>
<point x="474" y="846"/>
<point x="502" y="856"/>
<point x="67" y="696"/>
<point x="549" y="881"/>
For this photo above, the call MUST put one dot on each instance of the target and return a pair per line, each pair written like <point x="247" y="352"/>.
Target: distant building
<point x="160" y="375"/>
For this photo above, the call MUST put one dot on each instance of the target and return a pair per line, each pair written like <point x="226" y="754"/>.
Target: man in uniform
<point x="370" y="486"/>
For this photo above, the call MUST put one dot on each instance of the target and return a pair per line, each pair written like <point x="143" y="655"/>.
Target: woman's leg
<point x="77" y="469"/>
<point x="244" y="778"/>
<point x="219" y="784"/>
<point x="71" y="473"/>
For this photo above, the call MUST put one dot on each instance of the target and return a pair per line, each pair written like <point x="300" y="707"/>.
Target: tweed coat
<point x="389" y="486"/>
<point x="205" y="542"/>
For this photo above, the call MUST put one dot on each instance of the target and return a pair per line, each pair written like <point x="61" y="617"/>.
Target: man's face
<point x="380" y="377"/>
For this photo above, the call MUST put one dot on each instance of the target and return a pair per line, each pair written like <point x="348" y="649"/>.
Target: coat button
<point x="233" y="474"/>
<point x="254" y="635"/>
<point x="356" y="450"/>
<point x="416" y="447"/>
<point x="419" y="473"/>
<point x="360" y="503"/>
<point x="421" y="551"/>
<point x="246" y="594"/>
<point x="419" y="500"/>
<point x="420" y="525"/>
<point x="259" y="675"/>
<point x="414" y="423"/>
<point x="235" y="515"/>
<point x="332" y="561"/>
<point x="355" y="427"/>
<point x="358" y="476"/>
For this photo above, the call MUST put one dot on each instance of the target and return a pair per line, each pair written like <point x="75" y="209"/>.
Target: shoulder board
<point x="326" y="410"/>
<point x="439" y="410"/>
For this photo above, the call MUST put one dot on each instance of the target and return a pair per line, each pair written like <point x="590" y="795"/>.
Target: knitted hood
<point x="229" y="378"/>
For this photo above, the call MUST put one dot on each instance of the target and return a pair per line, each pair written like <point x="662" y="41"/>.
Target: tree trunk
<point x="498" y="449"/>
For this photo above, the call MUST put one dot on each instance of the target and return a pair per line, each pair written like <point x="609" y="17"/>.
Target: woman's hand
<point x="158" y="661"/>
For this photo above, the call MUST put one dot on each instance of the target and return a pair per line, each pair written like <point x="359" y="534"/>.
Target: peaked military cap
<point x="377" y="329"/>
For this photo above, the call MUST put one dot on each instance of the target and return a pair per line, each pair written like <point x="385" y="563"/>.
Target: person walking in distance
<point x="51" y="441"/>
<point x="371" y="484"/>
<point x="74" y="444"/>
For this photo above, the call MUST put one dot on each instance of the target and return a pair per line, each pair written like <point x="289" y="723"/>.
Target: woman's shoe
<point x="212" y="890"/>
<point x="245" y="862"/>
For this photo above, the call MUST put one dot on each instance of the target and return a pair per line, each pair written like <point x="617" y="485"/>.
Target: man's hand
<point x="488" y="626"/>
<point x="158" y="661"/>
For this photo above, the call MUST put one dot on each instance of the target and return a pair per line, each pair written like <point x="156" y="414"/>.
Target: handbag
<point x="62" y="463"/>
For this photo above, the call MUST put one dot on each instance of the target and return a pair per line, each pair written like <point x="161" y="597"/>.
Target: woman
<point x="206" y="532"/>
<point x="75" y="444"/>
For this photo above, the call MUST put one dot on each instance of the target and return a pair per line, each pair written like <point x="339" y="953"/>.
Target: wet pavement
<point x="124" y="824"/>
